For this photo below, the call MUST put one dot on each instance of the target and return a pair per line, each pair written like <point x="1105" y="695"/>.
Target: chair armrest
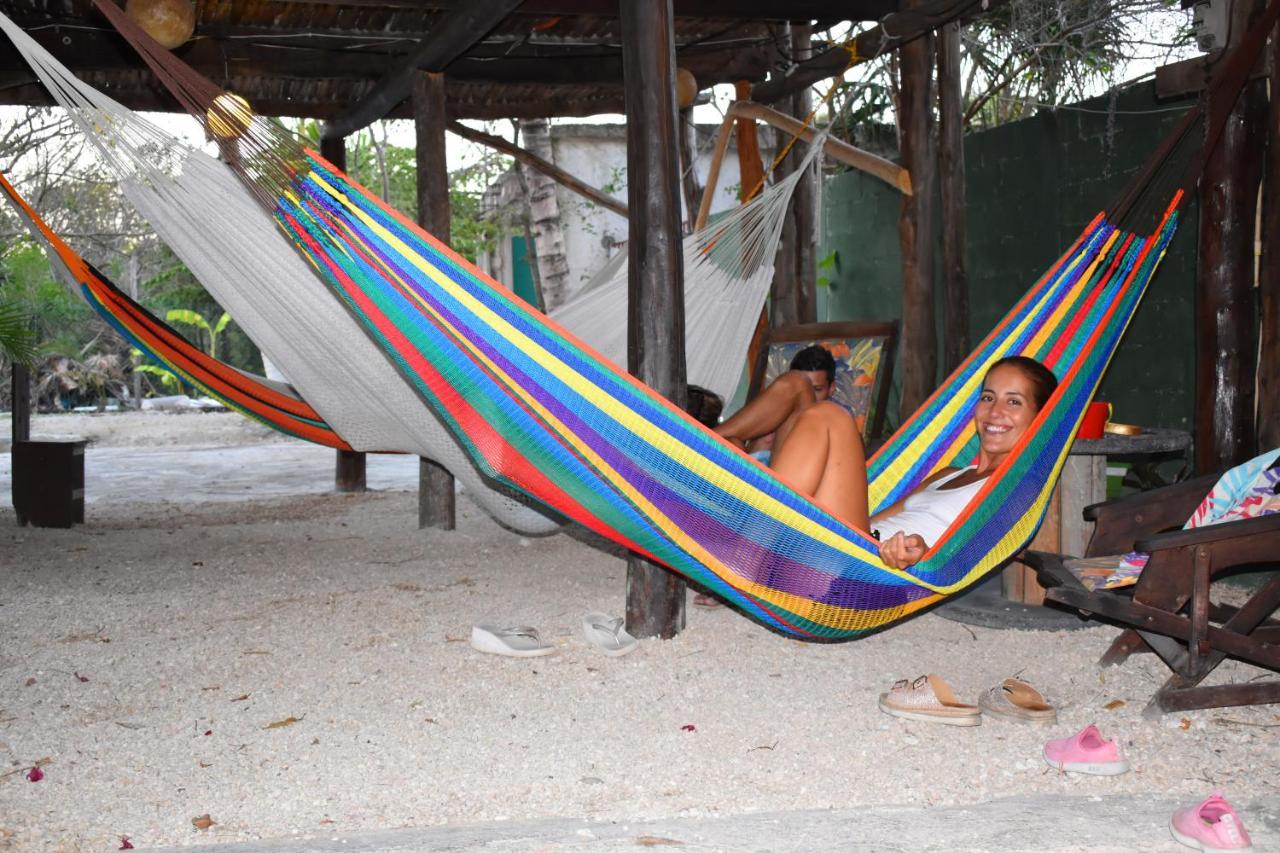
<point x="1262" y="529"/>
<point x="1050" y="569"/>
<point x="1121" y="521"/>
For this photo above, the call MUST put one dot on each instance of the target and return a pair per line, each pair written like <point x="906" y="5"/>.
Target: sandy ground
<point x="299" y="666"/>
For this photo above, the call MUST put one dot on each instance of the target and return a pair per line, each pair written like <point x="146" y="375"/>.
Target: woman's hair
<point x="1043" y="382"/>
<point x="813" y="358"/>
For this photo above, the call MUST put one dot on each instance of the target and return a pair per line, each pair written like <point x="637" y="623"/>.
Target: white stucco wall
<point x="597" y="155"/>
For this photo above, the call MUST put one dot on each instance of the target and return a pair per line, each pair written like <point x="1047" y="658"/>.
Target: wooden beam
<point x="533" y="161"/>
<point x="459" y="29"/>
<point x="655" y="304"/>
<point x="955" y="273"/>
<point x="767" y="10"/>
<point x="891" y="173"/>
<point x="916" y="224"/>
<point x="1190" y="76"/>
<point x="349" y="471"/>
<point x="436" y="497"/>
<point x="913" y="21"/>
<point x="1226" y="318"/>
<point x="1269" y="275"/>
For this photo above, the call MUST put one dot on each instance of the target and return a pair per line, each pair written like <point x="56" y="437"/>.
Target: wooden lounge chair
<point x="1171" y="611"/>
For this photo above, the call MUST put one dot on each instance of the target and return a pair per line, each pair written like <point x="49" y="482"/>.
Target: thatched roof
<point x="308" y="58"/>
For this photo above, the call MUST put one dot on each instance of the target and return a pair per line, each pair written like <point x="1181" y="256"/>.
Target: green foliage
<point x="830" y="263"/>
<point x="187" y="317"/>
<point x="17" y="342"/>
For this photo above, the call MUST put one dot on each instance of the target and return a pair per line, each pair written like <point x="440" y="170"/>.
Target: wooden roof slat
<point x="454" y="34"/>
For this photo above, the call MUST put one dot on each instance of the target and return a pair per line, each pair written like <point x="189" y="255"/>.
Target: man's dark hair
<point x="815" y="357"/>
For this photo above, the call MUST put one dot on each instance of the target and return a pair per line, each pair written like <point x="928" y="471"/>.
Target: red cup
<point x="1095" y="420"/>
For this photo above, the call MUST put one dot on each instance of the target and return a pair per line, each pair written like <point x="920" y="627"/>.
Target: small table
<point x="1084" y="482"/>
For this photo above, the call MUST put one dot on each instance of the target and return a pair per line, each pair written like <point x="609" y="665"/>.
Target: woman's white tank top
<point x="930" y="511"/>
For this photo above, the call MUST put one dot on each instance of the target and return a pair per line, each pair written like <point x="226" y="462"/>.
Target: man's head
<point x="816" y="362"/>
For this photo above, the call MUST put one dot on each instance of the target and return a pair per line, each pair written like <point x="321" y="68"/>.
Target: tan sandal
<point x="928" y="699"/>
<point x="1015" y="699"/>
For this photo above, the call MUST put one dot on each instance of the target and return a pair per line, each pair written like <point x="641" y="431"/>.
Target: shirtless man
<point x="766" y="421"/>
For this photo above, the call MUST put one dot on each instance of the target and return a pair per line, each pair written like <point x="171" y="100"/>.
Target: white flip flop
<point x="607" y="635"/>
<point x="514" y="641"/>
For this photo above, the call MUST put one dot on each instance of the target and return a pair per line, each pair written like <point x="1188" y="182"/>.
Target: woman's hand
<point x="903" y="549"/>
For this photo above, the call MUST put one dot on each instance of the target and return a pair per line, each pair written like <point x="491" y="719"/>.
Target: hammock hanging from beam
<point x="544" y="414"/>
<point x="272" y="403"/>
<point x="256" y="274"/>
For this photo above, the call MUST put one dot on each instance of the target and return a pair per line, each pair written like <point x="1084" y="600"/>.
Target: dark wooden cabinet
<point x="48" y="482"/>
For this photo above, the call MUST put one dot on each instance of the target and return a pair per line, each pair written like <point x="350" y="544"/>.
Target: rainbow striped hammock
<point x="541" y="412"/>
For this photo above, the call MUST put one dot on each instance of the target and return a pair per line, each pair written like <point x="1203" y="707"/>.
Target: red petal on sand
<point x="35" y="774"/>
<point x="208" y="732"/>
<point x="124" y="843"/>
<point x="688" y="727"/>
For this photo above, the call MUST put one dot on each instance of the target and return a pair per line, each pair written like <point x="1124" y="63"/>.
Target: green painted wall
<point x="1032" y="187"/>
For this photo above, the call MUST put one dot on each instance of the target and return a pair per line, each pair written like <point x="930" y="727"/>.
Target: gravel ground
<point x="299" y="666"/>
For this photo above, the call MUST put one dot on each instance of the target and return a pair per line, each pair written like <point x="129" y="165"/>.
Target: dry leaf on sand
<point x="287" y="721"/>
<point x="1114" y="703"/>
<point x="202" y="822"/>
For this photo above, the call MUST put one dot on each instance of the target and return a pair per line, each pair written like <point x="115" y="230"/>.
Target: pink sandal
<point x="1086" y="752"/>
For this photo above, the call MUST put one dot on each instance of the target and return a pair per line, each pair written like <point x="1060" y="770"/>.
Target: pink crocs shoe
<point x="1086" y="752"/>
<point x="1213" y="825"/>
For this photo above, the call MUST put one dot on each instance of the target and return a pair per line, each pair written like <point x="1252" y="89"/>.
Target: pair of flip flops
<point x="606" y="634"/>
<point x="929" y="699"/>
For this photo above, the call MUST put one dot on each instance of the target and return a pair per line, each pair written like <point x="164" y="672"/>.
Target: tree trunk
<point x="1269" y="279"/>
<point x="951" y="167"/>
<point x="655" y="306"/>
<point x="915" y="225"/>
<point x="436" y="496"/>
<point x="1226" y="315"/>
<point x="544" y="205"/>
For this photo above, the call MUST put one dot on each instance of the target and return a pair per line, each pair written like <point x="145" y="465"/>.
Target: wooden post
<point x="1226" y="318"/>
<point x="689" y="167"/>
<point x="21" y="383"/>
<point x="655" y="305"/>
<point x="349" y="467"/>
<point x="783" y="302"/>
<point x="1269" y="275"/>
<point x="750" y="181"/>
<point x="804" y="203"/>
<point x="915" y="223"/>
<point x="955" y="274"/>
<point x="436" y="500"/>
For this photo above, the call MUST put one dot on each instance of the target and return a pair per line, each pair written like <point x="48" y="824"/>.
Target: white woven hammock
<point x="201" y="209"/>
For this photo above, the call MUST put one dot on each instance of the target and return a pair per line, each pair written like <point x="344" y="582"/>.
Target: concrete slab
<point x="1039" y="823"/>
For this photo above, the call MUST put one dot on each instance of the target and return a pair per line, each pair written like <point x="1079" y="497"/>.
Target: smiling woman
<point x="822" y="456"/>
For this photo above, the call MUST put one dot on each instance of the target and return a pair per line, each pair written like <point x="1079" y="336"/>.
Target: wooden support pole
<point x="955" y="273"/>
<point x="1226" y="316"/>
<point x="655" y="305"/>
<point x="349" y="468"/>
<point x="804" y="202"/>
<point x="20" y="426"/>
<point x="689" y="166"/>
<point x="782" y="290"/>
<point x="1269" y="274"/>
<point x="915" y="223"/>
<point x="436" y="498"/>
<point x="533" y="161"/>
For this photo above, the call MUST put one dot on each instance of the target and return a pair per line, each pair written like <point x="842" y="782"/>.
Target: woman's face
<point x="1005" y="409"/>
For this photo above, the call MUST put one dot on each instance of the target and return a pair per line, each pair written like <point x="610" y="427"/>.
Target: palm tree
<point x="17" y="342"/>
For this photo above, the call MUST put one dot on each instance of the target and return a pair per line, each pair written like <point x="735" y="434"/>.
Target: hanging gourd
<point x="170" y="22"/>
<point x="229" y="116"/>
<point x="686" y="88"/>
